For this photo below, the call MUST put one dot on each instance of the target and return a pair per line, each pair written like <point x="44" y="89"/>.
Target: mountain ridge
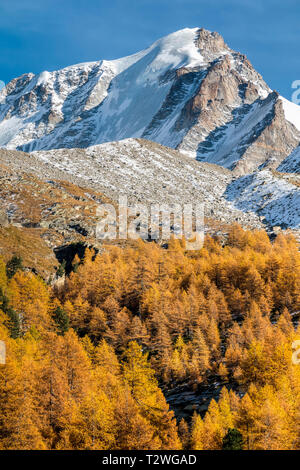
<point x="188" y="90"/>
<point x="149" y="173"/>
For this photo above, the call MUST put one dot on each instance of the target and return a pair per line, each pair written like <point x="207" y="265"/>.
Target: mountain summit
<point x="187" y="91"/>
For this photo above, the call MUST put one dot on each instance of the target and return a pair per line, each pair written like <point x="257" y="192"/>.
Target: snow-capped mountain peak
<point x="188" y="90"/>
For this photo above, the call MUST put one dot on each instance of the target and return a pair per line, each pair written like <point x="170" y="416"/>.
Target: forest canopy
<point x="87" y="362"/>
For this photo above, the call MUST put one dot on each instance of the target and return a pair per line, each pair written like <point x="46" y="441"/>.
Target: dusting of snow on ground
<point x="268" y="195"/>
<point x="146" y="172"/>
<point x="292" y="163"/>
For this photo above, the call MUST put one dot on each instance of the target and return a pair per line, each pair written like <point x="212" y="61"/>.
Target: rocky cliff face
<point x="188" y="90"/>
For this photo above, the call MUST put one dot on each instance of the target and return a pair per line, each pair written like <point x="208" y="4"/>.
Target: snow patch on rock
<point x="292" y="112"/>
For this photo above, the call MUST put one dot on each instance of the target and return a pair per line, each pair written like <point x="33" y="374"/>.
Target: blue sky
<point x="38" y="35"/>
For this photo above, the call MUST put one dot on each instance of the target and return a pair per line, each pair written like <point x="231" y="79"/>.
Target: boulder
<point x="4" y="221"/>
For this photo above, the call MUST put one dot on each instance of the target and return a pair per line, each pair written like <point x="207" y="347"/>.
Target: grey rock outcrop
<point x="4" y="221"/>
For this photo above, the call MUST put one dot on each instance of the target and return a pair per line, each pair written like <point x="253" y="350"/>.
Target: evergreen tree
<point x="61" y="269"/>
<point x="13" y="265"/>
<point x="233" y="440"/>
<point x="13" y="318"/>
<point x="62" y="320"/>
